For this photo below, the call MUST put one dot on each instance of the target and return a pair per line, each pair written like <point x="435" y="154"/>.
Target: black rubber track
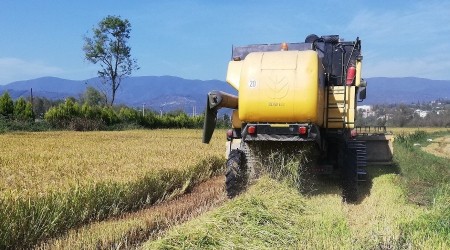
<point x="350" y="175"/>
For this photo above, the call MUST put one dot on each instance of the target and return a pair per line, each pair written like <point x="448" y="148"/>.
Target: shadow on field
<point x="331" y="184"/>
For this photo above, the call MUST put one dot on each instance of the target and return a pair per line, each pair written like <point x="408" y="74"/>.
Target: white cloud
<point x="410" y="41"/>
<point x="432" y="62"/>
<point x="13" y="69"/>
<point x="414" y="23"/>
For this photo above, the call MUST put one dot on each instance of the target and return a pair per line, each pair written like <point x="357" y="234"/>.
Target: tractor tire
<point x="350" y="176"/>
<point x="236" y="173"/>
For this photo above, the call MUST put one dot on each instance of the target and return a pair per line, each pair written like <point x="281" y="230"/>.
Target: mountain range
<point x="169" y="93"/>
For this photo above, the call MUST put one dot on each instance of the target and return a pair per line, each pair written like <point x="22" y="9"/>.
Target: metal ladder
<point x="337" y="105"/>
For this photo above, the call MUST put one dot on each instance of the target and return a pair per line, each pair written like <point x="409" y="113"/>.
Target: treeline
<point x="19" y="110"/>
<point x="88" y="113"/>
<point x="71" y="115"/>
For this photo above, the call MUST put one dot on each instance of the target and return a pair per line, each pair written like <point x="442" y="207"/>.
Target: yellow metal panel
<point x="279" y="86"/>
<point x="235" y="121"/>
<point x="280" y="60"/>
<point x="358" y="73"/>
<point x="336" y="116"/>
<point x="234" y="73"/>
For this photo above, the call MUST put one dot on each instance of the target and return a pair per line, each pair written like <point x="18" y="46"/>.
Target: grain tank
<point x="291" y="95"/>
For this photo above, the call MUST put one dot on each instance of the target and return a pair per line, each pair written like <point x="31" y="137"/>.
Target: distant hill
<point x="156" y="92"/>
<point x="169" y="92"/>
<point x="405" y="90"/>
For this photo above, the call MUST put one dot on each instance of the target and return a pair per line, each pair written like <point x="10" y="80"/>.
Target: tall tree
<point x="108" y="47"/>
<point x="23" y="110"/>
<point x="6" y="105"/>
<point x="92" y="97"/>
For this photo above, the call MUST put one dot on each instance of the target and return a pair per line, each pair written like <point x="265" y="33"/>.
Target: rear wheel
<point x="236" y="173"/>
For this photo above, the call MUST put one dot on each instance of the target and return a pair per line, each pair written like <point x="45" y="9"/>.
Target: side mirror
<point x="362" y="93"/>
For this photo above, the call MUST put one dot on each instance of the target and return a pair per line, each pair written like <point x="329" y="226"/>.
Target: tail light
<point x="229" y="134"/>
<point x="302" y="130"/>
<point x="251" y="130"/>
<point x="351" y="71"/>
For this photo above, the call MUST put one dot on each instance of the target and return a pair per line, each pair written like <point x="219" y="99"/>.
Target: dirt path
<point x="133" y="228"/>
<point x="439" y="147"/>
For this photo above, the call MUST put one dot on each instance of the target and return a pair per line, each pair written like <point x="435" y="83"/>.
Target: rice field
<point x="440" y="147"/>
<point x="399" y="131"/>
<point x="103" y="190"/>
<point x="53" y="181"/>
<point x="42" y="162"/>
<point x="131" y="229"/>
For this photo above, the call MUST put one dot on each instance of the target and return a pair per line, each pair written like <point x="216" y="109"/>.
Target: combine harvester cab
<point x="293" y="96"/>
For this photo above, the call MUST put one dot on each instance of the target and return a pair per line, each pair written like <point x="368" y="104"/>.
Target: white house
<point x="366" y="110"/>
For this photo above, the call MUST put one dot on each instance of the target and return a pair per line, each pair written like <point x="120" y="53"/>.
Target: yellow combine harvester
<point x="291" y="95"/>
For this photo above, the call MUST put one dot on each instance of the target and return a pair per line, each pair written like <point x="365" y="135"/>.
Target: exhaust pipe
<point x="214" y="101"/>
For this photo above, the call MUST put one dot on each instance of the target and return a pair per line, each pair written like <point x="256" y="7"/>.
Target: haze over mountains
<point x="170" y="93"/>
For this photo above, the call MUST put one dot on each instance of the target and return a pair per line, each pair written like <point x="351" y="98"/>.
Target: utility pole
<point x="143" y="109"/>
<point x="31" y="100"/>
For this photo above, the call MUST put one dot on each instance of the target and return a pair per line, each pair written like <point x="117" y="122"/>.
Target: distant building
<point x="421" y="113"/>
<point x="366" y="110"/>
<point x="385" y="117"/>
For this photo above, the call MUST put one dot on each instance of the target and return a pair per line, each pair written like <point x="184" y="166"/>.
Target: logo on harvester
<point x="278" y="87"/>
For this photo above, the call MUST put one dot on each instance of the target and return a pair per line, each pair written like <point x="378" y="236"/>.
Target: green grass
<point x="423" y="174"/>
<point x="426" y="180"/>
<point x="401" y="207"/>
<point x="271" y="215"/>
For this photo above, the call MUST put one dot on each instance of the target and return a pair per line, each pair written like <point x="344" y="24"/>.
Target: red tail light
<point x="251" y="130"/>
<point x="302" y="130"/>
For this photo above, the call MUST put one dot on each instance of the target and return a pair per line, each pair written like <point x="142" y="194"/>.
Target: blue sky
<point x="193" y="39"/>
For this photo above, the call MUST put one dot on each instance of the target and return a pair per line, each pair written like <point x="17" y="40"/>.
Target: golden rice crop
<point x="36" y="163"/>
<point x="398" y="131"/>
<point x="51" y="182"/>
<point x="133" y="228"/>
